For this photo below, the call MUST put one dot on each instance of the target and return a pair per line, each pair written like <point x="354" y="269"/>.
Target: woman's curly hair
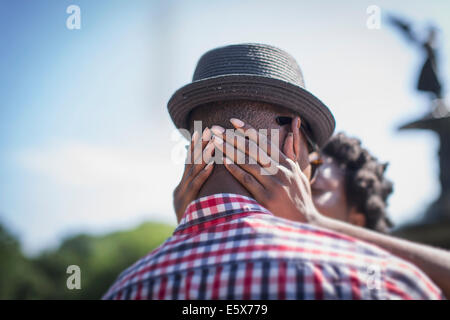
<point x="366" y="186"/>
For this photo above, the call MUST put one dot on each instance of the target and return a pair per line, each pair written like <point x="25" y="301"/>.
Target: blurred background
<point x="87" y="145"/>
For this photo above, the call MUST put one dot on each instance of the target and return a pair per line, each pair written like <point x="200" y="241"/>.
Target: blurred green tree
<point x="100" y="258"/>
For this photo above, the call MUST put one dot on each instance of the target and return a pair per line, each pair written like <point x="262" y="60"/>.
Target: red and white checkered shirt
<point x="228" y="246"/>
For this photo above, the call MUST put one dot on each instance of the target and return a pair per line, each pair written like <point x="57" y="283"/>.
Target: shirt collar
<point x="217" y="208"/>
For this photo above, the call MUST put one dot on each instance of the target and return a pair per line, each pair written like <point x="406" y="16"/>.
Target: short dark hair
<point x="366" y="186"/>
<point x="256" y="113"/>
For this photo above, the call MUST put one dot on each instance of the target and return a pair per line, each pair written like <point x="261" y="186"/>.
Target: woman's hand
<point x="275" y="180"/>
<point x="197" y="169"/>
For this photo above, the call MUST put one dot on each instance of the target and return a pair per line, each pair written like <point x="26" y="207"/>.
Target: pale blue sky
<point x="85" y="137"/>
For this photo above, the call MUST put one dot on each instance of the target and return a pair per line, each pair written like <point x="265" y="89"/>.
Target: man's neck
<point x="221" y="181"/>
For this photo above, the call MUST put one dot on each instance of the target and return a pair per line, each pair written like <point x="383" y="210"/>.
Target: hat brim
<point x="256" y="88"/>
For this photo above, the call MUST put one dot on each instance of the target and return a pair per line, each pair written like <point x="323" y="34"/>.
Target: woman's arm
<point x="434" y="262"/>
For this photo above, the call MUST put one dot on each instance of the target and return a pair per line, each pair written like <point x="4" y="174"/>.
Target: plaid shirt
<point x="228" y="246"/>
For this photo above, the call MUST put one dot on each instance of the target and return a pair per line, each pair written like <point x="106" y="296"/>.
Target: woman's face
<point x="328" y="190"/>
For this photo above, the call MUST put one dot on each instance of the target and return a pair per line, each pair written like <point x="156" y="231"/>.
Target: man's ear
<point x="356" y="218"/>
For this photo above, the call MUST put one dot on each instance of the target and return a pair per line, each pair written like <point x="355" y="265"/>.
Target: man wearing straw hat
<point x="233" y="242"/>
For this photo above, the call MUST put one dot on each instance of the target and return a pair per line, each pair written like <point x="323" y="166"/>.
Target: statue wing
<point x="403" y="26"/>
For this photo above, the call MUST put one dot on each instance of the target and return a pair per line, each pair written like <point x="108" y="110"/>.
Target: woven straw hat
<point x="255" y="72"/>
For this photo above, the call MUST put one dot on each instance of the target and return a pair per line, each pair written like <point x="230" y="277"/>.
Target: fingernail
<point x="194" y="136"/>
<point x="298" y="123"/>
<point x="208" y="165"/>
<point x="206" y="134"/>
<point x="237" y="123"/>
<point x="217" y="129"/>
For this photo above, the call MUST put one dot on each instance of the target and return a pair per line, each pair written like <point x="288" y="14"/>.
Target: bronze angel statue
<point x="429" y="77"/>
